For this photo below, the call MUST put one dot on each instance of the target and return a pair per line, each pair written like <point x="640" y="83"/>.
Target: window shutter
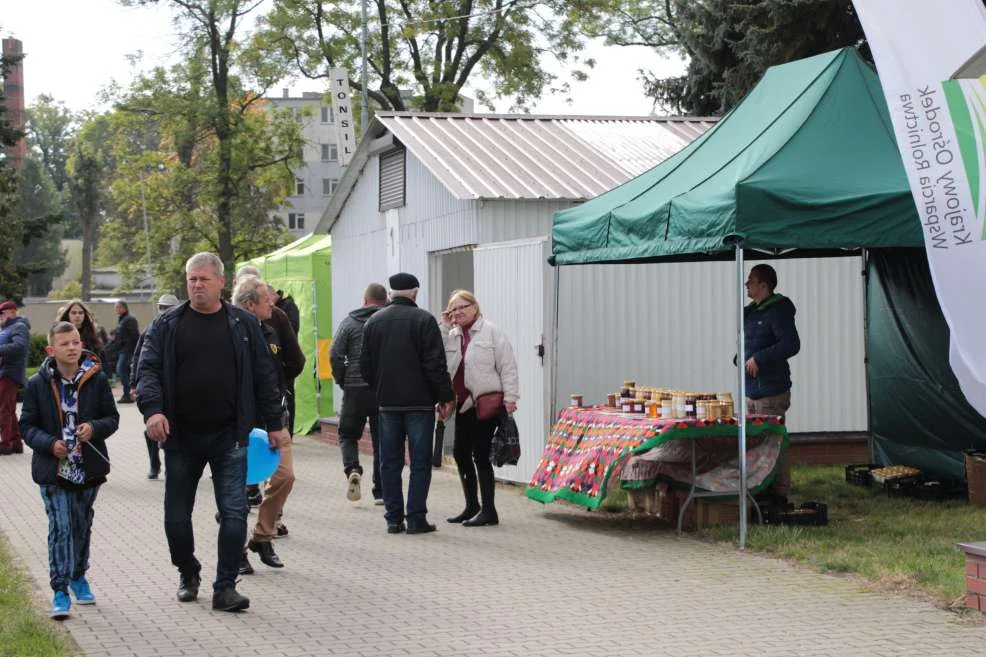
<point x="392" y="183"/>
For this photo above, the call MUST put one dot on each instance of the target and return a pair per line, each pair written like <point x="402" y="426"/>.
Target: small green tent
<point x="303" y="269"/>
<point x="806" y="165"/>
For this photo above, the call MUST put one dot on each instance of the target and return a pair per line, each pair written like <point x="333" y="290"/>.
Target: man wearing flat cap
<point x="15" y="341"/>
<point x="403" y="360"/>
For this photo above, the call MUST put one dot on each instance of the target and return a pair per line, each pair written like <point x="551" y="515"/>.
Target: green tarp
<point x="303" y="269"/>
<point x="919" y="415"/>
<point x="808" y="160"/>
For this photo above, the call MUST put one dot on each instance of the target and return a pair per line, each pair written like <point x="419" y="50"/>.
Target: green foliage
<point x="729" y="44"/>
<point x="38" y="343"/>
<point x="166" y="157"/>
<point x="50" y="127"/>
<point x="72" y="290"/>
<point x="433" y="47"/>
<point x="39" y="255"/>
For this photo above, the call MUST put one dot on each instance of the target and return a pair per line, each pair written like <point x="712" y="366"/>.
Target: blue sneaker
<point x="82" y="592"/>
<point x="60" y="606"/>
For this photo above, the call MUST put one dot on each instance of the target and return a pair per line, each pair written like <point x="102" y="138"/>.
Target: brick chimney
<point x="13" y="91"/>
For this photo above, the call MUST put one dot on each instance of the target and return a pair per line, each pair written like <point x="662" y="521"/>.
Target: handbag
<point x="488" y="405"/>
<point x="505" y="446"/>
<point x="439" y="445"/>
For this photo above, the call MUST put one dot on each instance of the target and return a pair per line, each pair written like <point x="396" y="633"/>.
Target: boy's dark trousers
<point x="70" y="514"/>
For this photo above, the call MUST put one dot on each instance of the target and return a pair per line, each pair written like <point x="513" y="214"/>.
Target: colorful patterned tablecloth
<point x="588" y="447"/>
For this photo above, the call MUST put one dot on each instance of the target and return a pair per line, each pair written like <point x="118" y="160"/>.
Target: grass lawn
<point x="23" y="630"/>
<point x="897" y="543"/>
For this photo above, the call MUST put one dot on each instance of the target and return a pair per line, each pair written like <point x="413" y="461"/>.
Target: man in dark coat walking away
<point x="771" y="338"/>
<point x="359" y="403"/>
<point x="124" y="344"/>
<point x="403" y="360"/>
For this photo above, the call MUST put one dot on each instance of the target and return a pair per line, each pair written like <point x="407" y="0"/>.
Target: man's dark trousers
<point x="419" y="427"/>
<point x="359" y="404"/>
<point x="185" y="461"/>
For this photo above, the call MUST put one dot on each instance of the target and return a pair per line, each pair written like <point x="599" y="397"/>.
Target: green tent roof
<point x="808" y="160"/>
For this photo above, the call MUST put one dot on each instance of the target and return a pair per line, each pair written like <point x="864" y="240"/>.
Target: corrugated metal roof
<point x="489" y="156"/>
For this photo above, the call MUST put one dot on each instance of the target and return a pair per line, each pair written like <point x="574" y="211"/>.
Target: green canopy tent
<point x="303" y="269"/>
<point x="805" y="165"/>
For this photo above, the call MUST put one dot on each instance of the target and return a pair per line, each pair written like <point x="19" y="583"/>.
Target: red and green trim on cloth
<point x="588" y="447"/>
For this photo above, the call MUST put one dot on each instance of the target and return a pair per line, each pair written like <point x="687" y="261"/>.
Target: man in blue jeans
<point x="403" y="360"/>
<point x="205" y="378"/>
<point x="124" y="342"/>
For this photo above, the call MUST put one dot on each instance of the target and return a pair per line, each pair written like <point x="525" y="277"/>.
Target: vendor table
<point x="589" y="447"/>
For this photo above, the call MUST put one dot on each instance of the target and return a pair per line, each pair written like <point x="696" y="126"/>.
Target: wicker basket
<point x="975" y="476"/>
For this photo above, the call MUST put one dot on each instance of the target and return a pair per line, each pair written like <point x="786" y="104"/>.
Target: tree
<point x="50" y="127"/>
<point x="431" y="48"/>
<point x="729" y="44"/>
<point x="39" y="206"/>
<point x="164" y="150"/>
<point x="229" y="112"/>
<point x="11" y="276"/>
<point x="86" y="178"/>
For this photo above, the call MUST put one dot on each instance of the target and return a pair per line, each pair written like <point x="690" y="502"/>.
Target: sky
<point x="75" y="48"/>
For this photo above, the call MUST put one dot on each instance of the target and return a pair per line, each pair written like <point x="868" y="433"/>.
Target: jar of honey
<point x="638" y="406"/>
<point x="652" y="408"/>
<point x="611" y="400"/>
<point x="690" y="405"/>
<point x="576" y="401"/>
<point x="666" y="407"/>
<point x="626" y="405"/>
<point x="702" y="409"/>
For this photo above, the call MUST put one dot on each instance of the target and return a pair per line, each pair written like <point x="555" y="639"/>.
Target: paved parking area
<point x="548" y="581"/>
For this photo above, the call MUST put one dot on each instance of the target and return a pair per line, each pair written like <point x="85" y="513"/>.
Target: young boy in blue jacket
<point x="68" y="414"/>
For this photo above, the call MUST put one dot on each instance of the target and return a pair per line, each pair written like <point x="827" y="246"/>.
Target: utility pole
<point x="364" y="115"/>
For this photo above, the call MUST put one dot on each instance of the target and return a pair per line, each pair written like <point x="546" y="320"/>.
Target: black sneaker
<point x="153" y="474"/>
<point x="126" y="399"/>
<point x="254" y="496"/>
<point x="246" y="568"/>
<point x="422" y="527"/>
<point x="188" y="587"/>
<point x="229" y="600"/>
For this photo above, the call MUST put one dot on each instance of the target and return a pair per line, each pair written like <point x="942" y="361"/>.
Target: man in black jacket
<point x="205" y="378"/>
<point x="771" y="338"/>
<point x="359" y="403"/>
<point x="403" y="360"/>
<point x="124" y="343"/>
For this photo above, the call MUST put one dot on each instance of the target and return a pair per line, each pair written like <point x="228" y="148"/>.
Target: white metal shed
<point x="466" y="201"/>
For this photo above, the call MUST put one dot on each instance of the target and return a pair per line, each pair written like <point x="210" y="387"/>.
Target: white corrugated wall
<point x="674" y="325"/>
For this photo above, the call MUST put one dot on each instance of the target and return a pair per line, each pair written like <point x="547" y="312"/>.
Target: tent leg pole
<point x="741" y="387"/>
<point x="554" y="346"/>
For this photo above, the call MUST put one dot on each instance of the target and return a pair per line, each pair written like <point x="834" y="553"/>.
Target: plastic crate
<point x="808" y="514"/>
<point x="858" y="474"/>
<point x="924" y="488"/>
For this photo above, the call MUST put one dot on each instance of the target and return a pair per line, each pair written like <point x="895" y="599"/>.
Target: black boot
<point x="487" y="514"/>
<point x="468" y="480"/>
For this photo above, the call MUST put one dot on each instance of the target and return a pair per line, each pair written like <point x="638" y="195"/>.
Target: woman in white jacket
<point x="480" y="361"/>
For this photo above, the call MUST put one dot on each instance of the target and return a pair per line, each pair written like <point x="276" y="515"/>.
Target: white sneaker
<point x="352" y="491"/>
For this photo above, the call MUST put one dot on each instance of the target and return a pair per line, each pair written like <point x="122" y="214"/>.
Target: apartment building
<point x="318" y="175"/>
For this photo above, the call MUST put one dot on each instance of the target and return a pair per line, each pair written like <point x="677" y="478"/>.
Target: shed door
<point x="510" y="285"/>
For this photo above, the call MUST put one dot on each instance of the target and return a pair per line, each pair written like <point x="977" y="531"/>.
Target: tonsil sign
<point x="342" y="108"/>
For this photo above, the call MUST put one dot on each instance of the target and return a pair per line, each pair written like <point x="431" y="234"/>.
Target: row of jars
<point x="671" y="403"/>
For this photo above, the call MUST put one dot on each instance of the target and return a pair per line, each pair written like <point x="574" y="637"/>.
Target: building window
<point x="299" y="187"/>
<point x="330" y="153"/>
<point x="296" y="220"/>
<point x="392" y="179"/>
<point x="327" y="115"/>
<point x="329" y="186"/>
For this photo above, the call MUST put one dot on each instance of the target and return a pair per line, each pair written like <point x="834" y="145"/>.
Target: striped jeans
<point x="69" y="532"/>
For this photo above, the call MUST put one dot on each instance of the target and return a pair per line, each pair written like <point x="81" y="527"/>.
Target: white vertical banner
<point x="342" y="109"/>
<point x="940" y="124"/>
